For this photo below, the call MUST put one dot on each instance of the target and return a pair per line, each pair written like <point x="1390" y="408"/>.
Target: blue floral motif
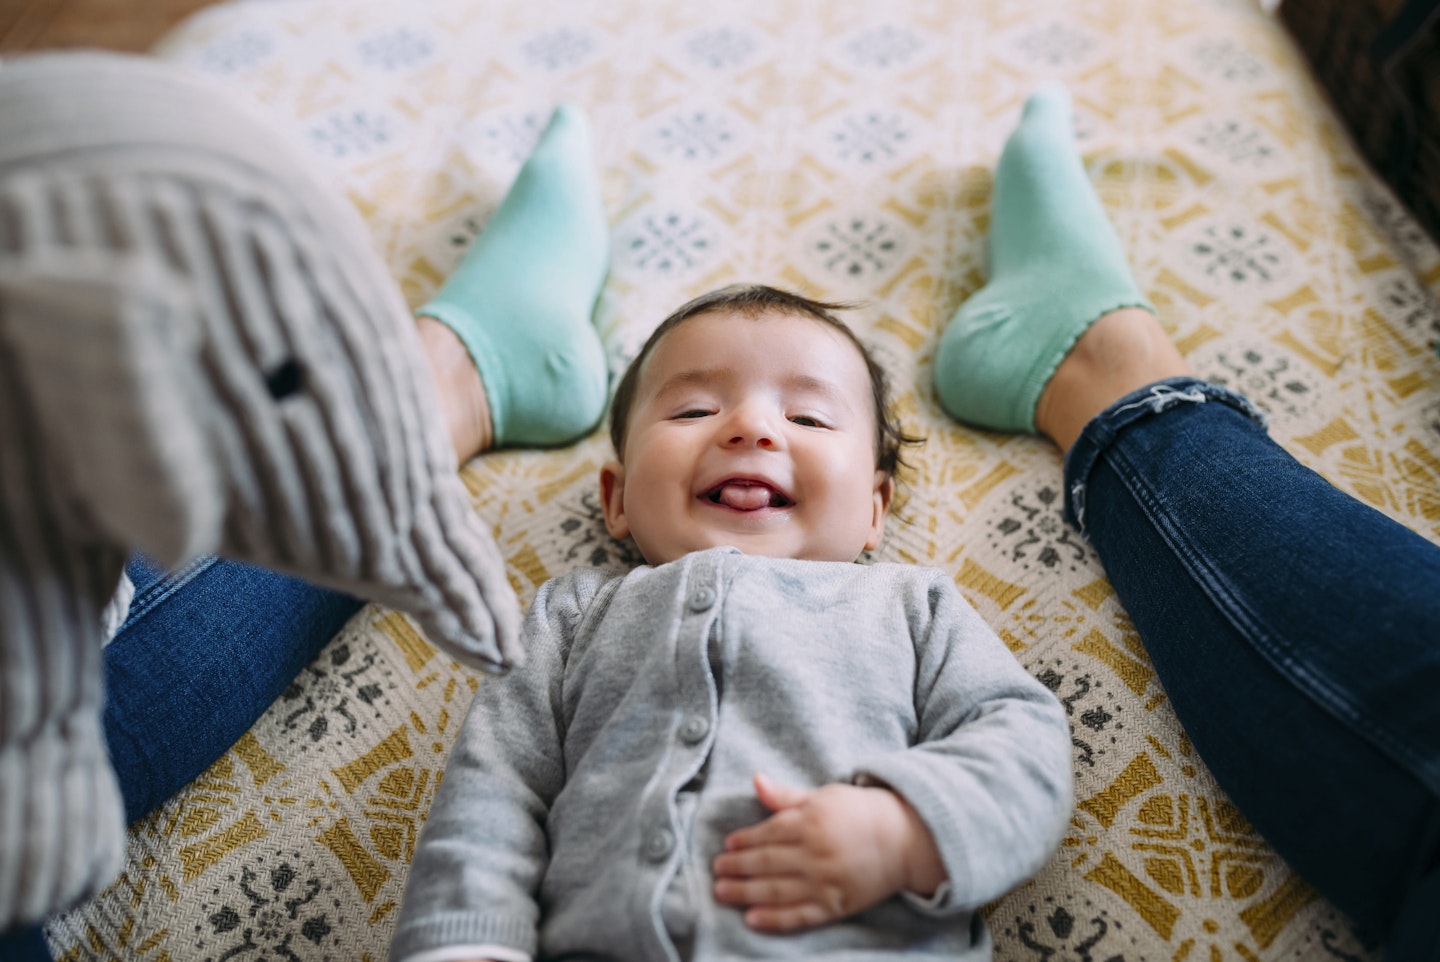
<point x="235" y="52"/>
<point x="277" y="908"/>
<point x="1430" y="419"/>
<point x="870" y="136"/>
<point x="1223" y="59"/>
<point x="1030" y="530"/>
<point x="1237" y="253"/>
<point x="1237" y="142"/>
<point x="512" y="137"/>
<point x="583" y="529"/>
<point x="1394" y="221"/>
<point x="884" y="46"/>
<point x="320" y="698"/>
<point x="1053" y="931"/>
<point x="1097" y="721"/>
<point x="669" y="243"/>
<point x="559" y="48"/>
<point x="1266" y="377"/>
<point x="857" y="246"/>
<point x="395" y="49"/>
<point x="1054" y="45"/>
<point x="347" y="133"/>
<point x="696" y="135"/>
<point x="721" y="48"/>
<point x="1404" y="301"/>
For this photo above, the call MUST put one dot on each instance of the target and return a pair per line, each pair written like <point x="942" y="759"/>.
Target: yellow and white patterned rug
<point x="843" y="148"/>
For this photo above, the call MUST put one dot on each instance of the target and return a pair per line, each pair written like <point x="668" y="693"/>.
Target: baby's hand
<point x="825" y="854"/>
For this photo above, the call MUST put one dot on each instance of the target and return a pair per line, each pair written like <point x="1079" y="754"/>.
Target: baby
<point x="750" y="746"/>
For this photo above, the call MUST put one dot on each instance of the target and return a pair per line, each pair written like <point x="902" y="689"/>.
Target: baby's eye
<point x="806" y="421"/>
<point x="693" y="413"/>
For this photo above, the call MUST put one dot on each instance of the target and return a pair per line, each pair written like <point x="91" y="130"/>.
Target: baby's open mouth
<point x="746" y="496"/>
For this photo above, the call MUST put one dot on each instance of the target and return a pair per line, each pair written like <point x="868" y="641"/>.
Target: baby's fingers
<point x="787" y="918"/>
<point x="773" y="892"/>
<point x="763" y="862"/>
<point x="780" y="903"/>
<point x="782" y="829"/>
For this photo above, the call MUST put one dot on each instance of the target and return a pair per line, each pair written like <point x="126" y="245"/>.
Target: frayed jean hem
<point x="1136" y="406"/>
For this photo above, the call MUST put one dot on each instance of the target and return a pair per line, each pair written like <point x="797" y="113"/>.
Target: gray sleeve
<point x="483" y="851"/>
<point x="990" y="771"/>
<point x="253" y="385"/>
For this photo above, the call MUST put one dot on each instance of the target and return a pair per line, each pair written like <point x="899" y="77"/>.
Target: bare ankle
<point x="1121" y="352"/>
<point x="457" y="382"/>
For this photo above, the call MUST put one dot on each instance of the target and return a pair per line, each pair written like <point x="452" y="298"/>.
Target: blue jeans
<point x="202" y="654"/>
<point x="1297" y="634"/>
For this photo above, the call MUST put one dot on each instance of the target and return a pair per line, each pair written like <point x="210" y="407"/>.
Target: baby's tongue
<point x="745" y="497"/>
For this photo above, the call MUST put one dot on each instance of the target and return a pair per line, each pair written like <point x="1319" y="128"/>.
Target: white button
<point x="694" y="729"/>
<point x="702" y="597"/>
<point x="659" y="845"/>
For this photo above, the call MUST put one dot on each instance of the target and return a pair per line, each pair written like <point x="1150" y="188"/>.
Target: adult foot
<point x="522" y="298"/>
<point x="457" y="381"/>
<point x="1056" y="266"/>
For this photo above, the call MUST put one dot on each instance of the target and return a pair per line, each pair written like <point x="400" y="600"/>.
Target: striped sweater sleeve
<point x="200" y="352"/>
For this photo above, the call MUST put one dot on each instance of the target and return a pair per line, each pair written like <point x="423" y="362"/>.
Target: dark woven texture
<point x="1379" y="61"/>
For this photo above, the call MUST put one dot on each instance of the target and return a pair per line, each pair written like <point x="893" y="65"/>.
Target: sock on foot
<point x="1056" y="267"/>
<point x="523" y="296"/>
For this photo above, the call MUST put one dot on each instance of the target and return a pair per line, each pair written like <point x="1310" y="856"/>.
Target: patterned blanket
<point x="845" y="149"/>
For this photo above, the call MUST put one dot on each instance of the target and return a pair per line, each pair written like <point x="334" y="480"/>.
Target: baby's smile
<point x="743" y="494"/>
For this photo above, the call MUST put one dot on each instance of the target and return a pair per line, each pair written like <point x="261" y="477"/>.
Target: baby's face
<point x="755" y="432"/>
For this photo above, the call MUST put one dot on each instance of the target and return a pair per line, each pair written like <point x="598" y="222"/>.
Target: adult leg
<point x="202" y="654"/>
<point x="1295" y="629"/>
<point x="24" y="945"/>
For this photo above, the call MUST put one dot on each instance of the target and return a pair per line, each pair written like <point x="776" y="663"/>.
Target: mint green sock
<point x="523" y="296"/>
<point x="1056" y="267"/>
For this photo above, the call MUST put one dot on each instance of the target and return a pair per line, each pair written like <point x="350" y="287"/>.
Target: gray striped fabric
<point x="199" y="352"/>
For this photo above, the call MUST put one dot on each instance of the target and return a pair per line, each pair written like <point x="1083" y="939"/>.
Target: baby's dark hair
<point x="751" y="300"/>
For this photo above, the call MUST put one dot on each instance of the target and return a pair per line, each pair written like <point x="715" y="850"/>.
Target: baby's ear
<point x="612" y="499"/>
<point x="884" y="492"/>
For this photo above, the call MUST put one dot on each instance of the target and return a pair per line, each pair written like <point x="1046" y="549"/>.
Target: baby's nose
<point x="752" y="427"/>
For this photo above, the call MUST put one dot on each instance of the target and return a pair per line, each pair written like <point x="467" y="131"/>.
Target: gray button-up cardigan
<point x="590" y="789"/>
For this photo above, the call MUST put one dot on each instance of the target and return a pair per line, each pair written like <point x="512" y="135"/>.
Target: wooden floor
<point x="112" y="24"/>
